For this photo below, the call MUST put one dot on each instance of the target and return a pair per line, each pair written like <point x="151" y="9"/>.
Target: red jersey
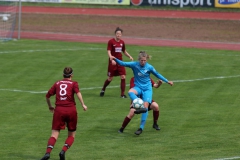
<point x="64" y="90"/>
<point x="116" y="48"/>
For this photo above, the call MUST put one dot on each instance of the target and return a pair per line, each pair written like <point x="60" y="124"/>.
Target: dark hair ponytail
<point x="67" y="72"/>
<point x="118" y="29"/>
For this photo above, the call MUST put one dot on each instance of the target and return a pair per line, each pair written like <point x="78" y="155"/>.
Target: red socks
<point x="155" y="116"/>
<point x="51" y="142"/>
<point x="123" y="85"/>
<point x="50" y="145"/>
<point x="125" y="122"/>
<point x="68" y="143"/>
<point x="106" y="83"/>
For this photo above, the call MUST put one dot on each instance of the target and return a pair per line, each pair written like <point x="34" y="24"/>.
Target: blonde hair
<point x="143" y="54"/>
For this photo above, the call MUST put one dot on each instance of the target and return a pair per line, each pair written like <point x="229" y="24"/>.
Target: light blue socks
<point x="143" y="119"/>
<point x="144" y="115"/>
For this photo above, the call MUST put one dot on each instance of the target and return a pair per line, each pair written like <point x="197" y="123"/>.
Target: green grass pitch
<point x="199" y="115"/>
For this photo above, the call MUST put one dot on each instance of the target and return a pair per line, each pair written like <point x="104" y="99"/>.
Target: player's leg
<point x="50" y="145"/>
<point x="127" y="119"/>
<point x="110" y="74"/>
<point x="133" y="92"/>
<point x="71" y="122"/>
<point x="147" y="98"/>
<point x="68" y="143"/>
<point x="122" y="73"/>
<point x="143" y="120"/>
<point x="123" y="86"/>
<point x="57" y="125"/>
<point x="106" y="83"/>
<point x="154" y="106"/>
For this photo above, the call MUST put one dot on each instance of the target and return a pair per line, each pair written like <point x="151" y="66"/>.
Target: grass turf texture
<point x="199" y="117"/>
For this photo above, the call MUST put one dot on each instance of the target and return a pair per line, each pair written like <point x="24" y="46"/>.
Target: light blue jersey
<point x="142" y="73"/>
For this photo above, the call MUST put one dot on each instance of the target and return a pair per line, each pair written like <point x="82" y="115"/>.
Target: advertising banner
<point x="44" y="1"/>
<point x="227" y="3"/>
<point x="107" y="2"/>
<point x="110" y="2"/>
<point x="177" y="3"/>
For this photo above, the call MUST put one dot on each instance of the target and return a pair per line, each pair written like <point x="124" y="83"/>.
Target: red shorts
<point x="115" y="70"/>
<point x="65" y="116"/>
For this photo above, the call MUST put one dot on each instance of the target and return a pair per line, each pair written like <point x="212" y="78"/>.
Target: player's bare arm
<point x="79" y="95"/>
<point x="158" y="83"/>
<point x="110" y="55"/>
<point x="128" y="55"/>
<point x="50" y="107"/>
<point x="113" y="58"/>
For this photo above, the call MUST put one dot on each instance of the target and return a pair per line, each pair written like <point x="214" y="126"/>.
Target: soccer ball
<point x="4" y="18"/>
<point x="137" y="103"/>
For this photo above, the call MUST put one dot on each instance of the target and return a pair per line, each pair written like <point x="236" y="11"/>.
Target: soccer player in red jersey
<point x="152" y="106"/>
<point x="64" y="112"/>
<point x="116" y="47"/>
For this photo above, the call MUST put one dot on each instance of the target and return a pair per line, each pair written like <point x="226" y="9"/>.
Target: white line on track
<point x="92" y="88"/>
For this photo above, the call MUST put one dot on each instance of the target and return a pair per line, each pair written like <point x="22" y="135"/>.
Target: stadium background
<point x="199" y="29"/>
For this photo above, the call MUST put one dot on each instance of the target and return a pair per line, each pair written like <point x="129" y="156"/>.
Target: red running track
<point x="129" y="40"/>
<point x="135" y="13"/>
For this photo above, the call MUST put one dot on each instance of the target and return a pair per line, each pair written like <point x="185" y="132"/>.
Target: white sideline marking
<point x="17" y="90"/>
<point x="49" y="50"/>
<point x="228" y="158"/>
<point x="202" y="79"/>
<point x="92" y="88"/>
<point x="90" y="48"/>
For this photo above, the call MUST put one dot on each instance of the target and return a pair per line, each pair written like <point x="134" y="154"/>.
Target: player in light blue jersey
<point x="143" y="86"/>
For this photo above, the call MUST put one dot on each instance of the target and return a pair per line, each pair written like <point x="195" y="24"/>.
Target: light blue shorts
<point x="146" y="94"/>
